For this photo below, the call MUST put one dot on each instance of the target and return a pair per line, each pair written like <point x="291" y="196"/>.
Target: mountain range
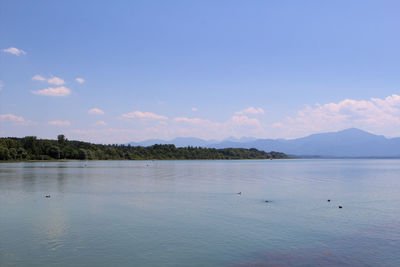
<point x="346" y="143"/>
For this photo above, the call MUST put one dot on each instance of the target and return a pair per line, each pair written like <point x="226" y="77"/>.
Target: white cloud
<point x="236" y="126"/>
<point x="191" y="120"/>
<point x="11" y="117"/>
<point x="100" y="123"/>
<point x="250" y="111"/>
<point x="65" y="123"/>
<point x="143" y="116"/>
<point x="95" y="111"/>
<point x="38" y="78"/>
<point x="15" y="119"/>
<point x="56" y="81"/>
<point x="243" y="121"/>
<point x="375" y="115"/>
<point x="52" y="80"/>
<point x="53" y="91"/>
<point x="277" y="125"/>
<point x="201" y="124"/>
<point x="14" y="51"/>
<point x="105" y="135"/>
<point x="195" y="109"/>
<point x="80" y="80"/>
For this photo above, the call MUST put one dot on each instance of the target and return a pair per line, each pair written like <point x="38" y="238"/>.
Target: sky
<point x="122" y="71"/>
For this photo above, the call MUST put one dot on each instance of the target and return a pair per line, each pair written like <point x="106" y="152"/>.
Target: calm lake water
<point x="188" y="213"/>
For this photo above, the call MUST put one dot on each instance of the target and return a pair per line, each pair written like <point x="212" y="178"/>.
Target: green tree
<point x="13" y="153"/>
<point x="4" y="153"/>
<point x="54" y="152"/>
<point x="61" y="139"/>
<point x="30" y="144"/>
<point x="22" y="154"/>
<point x="43" y="149"/>
<point x="82" y="154"/>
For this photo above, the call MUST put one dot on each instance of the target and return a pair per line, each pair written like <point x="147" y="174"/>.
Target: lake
<point x="189" y="213"/>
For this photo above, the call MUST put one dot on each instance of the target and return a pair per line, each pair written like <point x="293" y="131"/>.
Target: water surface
<point x="188" y="213"/>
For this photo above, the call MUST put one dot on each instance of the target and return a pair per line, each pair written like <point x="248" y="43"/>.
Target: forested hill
<point x="31" y="148"/>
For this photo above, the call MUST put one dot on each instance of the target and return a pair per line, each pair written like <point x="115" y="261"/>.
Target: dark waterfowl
<point x="340" y="207"/>
<point x="329" y="200"/>
<point x="239" y="193"/>
<point x="48" y="196"/>
<point x="267" y="201"/>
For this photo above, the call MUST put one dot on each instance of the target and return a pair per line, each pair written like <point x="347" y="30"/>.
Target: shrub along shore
<point x="31" y="148"/>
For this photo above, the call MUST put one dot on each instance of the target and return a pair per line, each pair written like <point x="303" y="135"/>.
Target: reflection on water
<point x="188" y="213"/>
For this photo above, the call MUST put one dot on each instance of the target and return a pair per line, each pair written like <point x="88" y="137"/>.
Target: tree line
<point x="32" y="148"/>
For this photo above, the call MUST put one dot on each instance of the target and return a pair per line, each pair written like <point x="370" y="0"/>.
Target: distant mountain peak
<point x="358" y="132"/>
<point x="345" y="133"/>
<point x="351" y="142"/>
<point x="354" y="131"/>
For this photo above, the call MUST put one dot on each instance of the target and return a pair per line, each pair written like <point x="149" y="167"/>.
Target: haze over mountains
<point x="346" y="143"/>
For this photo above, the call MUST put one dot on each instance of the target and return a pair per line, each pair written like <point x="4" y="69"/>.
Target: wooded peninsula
<point x="32" y="148"/>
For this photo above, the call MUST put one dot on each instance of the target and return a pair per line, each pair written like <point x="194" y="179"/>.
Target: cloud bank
<point x="375" y="115"/>
<point x="378" y="115"/>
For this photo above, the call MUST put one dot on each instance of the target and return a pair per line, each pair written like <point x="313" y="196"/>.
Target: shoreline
<point x="91" y="160"/>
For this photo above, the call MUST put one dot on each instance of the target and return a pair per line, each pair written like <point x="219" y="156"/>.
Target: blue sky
<point x="208" y="69"/>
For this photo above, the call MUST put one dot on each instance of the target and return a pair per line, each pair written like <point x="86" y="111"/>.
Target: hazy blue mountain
<point x="178" y="142"/>
<point x="149" y="142"/>
<point x="241" y="139"/>
<point x="347" y="143"/>
<point x="191" y="141"/>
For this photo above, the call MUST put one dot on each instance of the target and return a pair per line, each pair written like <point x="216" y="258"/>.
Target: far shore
<point x="289" y="158"/>
<point x="92" y="160"/>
